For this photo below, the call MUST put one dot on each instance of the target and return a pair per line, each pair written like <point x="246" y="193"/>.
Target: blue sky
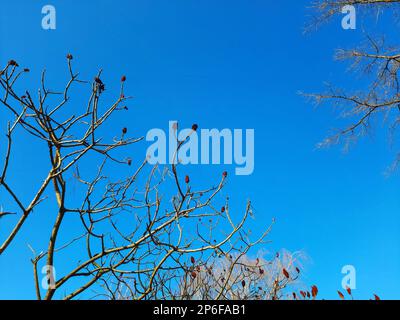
<point x="229" y="64"/>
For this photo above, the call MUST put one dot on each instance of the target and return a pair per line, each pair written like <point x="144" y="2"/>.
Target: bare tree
<point x="149" y="233"/>
<point x="239" y="277"/>
<point x="378" y="64"/>
<point x="327" y="9"/>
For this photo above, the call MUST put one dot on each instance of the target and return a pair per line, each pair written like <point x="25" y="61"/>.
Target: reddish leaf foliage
<point x="314" y="291"/>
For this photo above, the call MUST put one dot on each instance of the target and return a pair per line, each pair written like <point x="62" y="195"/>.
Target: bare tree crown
<point x="135" y="241"/>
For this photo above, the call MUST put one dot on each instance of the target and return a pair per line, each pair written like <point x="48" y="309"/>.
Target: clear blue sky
<point x="229" y="64"/>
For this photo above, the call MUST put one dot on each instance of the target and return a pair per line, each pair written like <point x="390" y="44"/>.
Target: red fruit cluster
<point x="286" y="273"/>
<point x="13" y="63"/>
<point x="98" y="80"/>
<point x="314" y="291"/>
